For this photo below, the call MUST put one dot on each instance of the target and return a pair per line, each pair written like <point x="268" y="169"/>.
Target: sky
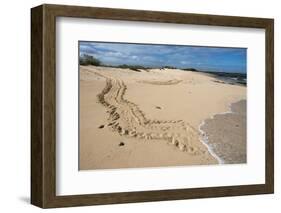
<point x="180" y="56"/>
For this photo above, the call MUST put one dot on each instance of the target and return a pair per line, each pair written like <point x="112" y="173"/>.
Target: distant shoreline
<point x="229" y="78"/>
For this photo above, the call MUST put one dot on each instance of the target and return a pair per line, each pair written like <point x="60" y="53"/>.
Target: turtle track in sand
<point x="127" y="119"/>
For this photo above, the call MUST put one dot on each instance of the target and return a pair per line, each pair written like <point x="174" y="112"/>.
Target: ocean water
<point x="225" y="134"/>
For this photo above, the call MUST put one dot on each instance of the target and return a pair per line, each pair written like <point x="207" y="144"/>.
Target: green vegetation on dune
<point x="86" y="59"/>
<point x="190" y="69"/>
<point x="89" y="60"/>
<point x="137" y="68"/>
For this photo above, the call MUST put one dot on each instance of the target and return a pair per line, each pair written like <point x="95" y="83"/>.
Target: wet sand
<point x="226" y="134"/>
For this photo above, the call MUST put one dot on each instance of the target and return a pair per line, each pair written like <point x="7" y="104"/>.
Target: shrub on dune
<point x="89" y="60"/>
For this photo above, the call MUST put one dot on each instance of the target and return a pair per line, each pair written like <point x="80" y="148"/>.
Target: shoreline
<point x="204" y="138"/>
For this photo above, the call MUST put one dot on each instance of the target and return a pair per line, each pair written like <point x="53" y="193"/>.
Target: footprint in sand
<point x="121" y="144"/>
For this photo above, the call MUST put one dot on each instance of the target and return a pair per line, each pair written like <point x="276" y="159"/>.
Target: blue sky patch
<point x="216" y="59"/>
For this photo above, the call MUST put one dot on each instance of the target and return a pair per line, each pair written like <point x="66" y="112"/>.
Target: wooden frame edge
<point x="43" y="174"/>
<point x="269" y="120"/>
<point x="36" y="106"/>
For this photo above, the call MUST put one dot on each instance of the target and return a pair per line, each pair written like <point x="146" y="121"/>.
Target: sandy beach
<point x="151" y="118"/>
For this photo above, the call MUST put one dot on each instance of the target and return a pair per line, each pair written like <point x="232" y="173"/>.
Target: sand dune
<point x="149" y="138"/>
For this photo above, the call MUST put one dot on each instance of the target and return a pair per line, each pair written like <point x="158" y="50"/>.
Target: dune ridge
<point x="168" y="82"/>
